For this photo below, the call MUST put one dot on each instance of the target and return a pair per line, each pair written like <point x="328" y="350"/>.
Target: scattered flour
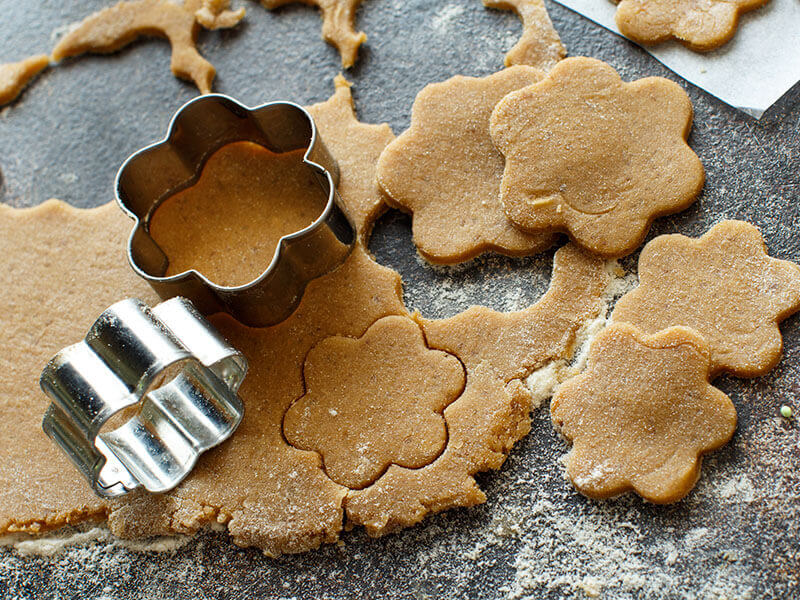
<point x="446" y="17"/>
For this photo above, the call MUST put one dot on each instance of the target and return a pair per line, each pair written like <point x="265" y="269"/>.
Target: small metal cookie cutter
<point x="197" y="130"/>
<point x="170" y="364"/>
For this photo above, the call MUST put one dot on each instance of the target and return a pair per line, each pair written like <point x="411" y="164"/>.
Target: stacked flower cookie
<point x="506" y="162"/>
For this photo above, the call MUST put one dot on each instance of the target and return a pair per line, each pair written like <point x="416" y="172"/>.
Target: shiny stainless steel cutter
<point x="148" y="390"/>
<point x="168" y="362"/>
<point x="157" y="172"/>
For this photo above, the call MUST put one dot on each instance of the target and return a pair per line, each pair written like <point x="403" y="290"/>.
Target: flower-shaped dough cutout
<point x="642" y="414"/>
<point x="15" y="76"/>
<point x="445" y="170"/>
<point x="374" y="401"/>
<point x="596" y="157"/>
<point x="243" y="188"/>
<point x="117" y="26"/>
<point x="338" y="25"/>
<point x="701" y="25"/>
<point x="724" y="286"/>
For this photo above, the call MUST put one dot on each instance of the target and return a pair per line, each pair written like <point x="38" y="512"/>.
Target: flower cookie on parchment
<point x="725" y="286"/>
<point x="642" y="414"/>
<point x="701" y="25"/>
<point x="446" y="172"/>
<point x="595" y="157"/>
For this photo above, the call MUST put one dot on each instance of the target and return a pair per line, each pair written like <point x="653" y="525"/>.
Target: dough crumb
<point x="338" y="25"/>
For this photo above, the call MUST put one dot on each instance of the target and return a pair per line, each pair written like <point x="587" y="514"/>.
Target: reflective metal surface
<point x="143" y="395"/>
<point x="197" y="130"/>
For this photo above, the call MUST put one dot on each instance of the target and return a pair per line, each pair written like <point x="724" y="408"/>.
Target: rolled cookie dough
<point x="446" y="172"/>
<point x="268" y="493"/>
<point x="15" y="76"/>
<point x="701" y="25"/>
<point x="595" y="157"/>
<point x="214" y="14"/>
<point x="725" y="286"/>
<point x="539" y="45"/>
<point x="245" y="188"/>
<point x="338" y="25"/>
<point x="642" y="414"/>
<point x="374" y="401"/>
<point x="117" y="26"/>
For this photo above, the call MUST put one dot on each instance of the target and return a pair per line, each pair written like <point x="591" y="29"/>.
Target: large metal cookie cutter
<point x="198" y="129"/>
<point x="168" y="363"/>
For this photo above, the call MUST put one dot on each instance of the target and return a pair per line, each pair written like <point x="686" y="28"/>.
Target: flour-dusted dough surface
<point x="642" y="414"/>
<point x="246" y="189"/>
<point x="598" y="158"/>
<point x="266" y="492"/>
<point x="446" y="172"/>
<point x="356" y="147"/>
<point x="498" y="351"/>
<point x="701" y="25"/>
<point x="112" y="28"/>
<point x="338" y="25"/>
<point x="374" y="401"/>
<point x="15" y="76"/>
<point x="61" y="267"/>
<point x="539" y="46"/>
<point x="725" y="286"/>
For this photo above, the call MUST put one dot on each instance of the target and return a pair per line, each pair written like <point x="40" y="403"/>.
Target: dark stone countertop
<point x="736" y="536"/>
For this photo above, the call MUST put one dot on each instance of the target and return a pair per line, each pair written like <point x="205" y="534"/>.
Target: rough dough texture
<point x="338" y="25"/>
<point x="374" y="401"/>
<point x="112" y="28"/>
<point x="61" y="267"/>
<point x="724" y="286"/>
<point x="701" y="25"/>
<point x="243" y="188"/>
<point x="214" y="14"/>
<point x="642" y="414"/>
<point x="498" y="350"/>
<point x="15" y="76"/>
<point x="446" y="171"/>
<point x="356" y="147"/>
<point x="593" y="156"/>
<point x="268" y="493"/>
<point x="539" y="45"/>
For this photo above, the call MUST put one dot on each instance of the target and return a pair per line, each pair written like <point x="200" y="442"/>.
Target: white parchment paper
<point x="750" y="72"/>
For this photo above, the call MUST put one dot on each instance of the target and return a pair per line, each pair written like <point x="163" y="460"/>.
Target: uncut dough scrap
<point x="266" y="492"/>
<point x="539" y="45"/>
<point x="595" y="157"/>
<point x="446" y="172"/>
<point x="349" y="417"/>
<point x="15" y="76"/>
<point x="642" y="414"/>
<point x="723" y="285"/>
<point x="338" y="25"/>
<point x="112" y="28"/>
<point x="701" y="25"/>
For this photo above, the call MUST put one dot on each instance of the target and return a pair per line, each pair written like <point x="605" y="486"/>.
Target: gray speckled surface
<point x="736" y="536"/>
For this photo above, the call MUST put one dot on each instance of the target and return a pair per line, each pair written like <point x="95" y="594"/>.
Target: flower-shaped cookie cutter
<point x="197" y="130"/>
<point x="170" y="364"/>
